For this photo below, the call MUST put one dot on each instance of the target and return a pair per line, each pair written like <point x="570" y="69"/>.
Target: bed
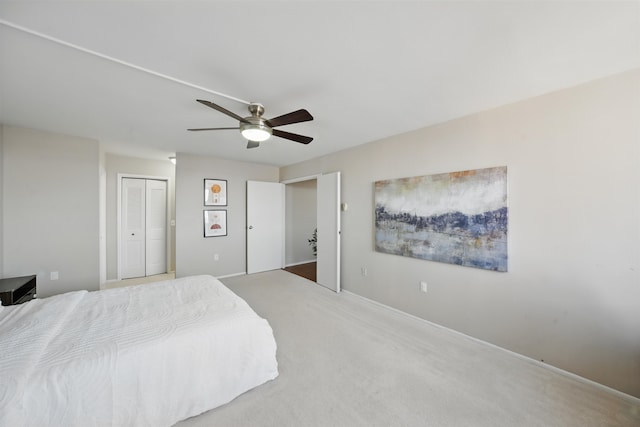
<point x="146" y="355"/>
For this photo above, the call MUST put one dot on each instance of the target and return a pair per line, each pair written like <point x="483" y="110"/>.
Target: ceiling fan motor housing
<point x="255" y="127"/>
<point x="256" y="109"/>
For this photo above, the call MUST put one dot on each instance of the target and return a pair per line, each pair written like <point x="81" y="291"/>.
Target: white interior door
<point x="328" y="258"/>
<point x="133" y="228"/>
<point x="265" y="226"/>
<point x="156" y="227"/>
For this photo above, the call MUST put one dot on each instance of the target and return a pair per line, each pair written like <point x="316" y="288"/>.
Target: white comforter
<point x="147" y="355"/>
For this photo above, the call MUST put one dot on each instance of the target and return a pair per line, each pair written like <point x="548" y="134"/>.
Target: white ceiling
<point x="364" y="69"/>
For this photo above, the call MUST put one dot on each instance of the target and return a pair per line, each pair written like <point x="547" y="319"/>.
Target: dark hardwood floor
<point x="308" y="271"/>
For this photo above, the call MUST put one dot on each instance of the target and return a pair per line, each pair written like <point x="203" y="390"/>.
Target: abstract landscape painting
<point x="457" y="218"/>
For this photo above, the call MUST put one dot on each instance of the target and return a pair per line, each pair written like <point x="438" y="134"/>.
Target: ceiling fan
<point x="256" y="128"/>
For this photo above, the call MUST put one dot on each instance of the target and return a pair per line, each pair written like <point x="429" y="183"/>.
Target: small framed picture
<point x="215" y="192"/>
<point x="215" y="223"/>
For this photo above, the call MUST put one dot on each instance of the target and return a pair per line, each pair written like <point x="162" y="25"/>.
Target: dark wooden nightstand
<point x="16" y="290"/>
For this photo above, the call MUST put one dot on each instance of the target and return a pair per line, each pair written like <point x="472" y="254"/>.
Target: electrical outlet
<point x="54" y="275"/>
<point x="423" y="286"/>
<point x="364" y="271"/>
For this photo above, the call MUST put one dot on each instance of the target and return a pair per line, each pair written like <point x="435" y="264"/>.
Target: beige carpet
<point x="347" y="362"/>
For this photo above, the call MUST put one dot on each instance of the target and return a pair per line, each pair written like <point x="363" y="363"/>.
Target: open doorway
<point x="326" y="205"/>
<point x="300" y="227"/>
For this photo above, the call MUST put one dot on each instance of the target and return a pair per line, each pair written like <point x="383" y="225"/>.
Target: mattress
<point x="146" y="355"/>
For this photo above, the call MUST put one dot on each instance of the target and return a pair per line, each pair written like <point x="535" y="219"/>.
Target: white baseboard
<point x="232" y="275"/>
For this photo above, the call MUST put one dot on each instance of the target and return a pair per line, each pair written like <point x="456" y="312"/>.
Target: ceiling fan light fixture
<point x="255" y="131"/>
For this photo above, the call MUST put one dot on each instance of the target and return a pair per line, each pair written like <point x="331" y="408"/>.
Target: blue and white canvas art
<point x="458" y="218"/>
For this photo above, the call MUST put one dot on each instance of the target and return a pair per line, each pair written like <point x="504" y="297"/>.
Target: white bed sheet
<point x="147" y="355"/>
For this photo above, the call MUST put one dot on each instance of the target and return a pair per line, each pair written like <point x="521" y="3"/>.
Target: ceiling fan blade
<point x="222" y="110"/>
<point x="287" y="119"/>
<point x="292" y="136"/>
<point x="212" y="129"/>
<point x="252" y="144"/>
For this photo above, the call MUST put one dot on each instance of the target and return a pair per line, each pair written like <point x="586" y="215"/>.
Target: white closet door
<point x="133" y="228"/>
<point x="156" y="227"/>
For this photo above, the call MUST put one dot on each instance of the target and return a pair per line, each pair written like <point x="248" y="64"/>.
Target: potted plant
<point x="313" y="241"/>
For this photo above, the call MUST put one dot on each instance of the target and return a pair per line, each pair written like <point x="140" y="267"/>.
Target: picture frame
<point x="215" y="222"/>
<point x="459" y="218"/>
<point x="215" y="192"/>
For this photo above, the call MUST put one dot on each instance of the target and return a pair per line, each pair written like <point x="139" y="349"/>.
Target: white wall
<point x="134" y="166"/>
<point x="300" y="221"/>
<point x="50" y="209"/>
<point x="194" y="252"/>
<point x="572" y="293"/>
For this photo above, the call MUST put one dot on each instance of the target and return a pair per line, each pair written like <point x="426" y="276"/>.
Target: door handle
<point x="251" y="227"/>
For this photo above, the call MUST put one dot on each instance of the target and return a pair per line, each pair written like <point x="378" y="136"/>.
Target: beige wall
<point x="50" y="209"/>
<point x="572" y="293"/>
<point x="195" y="253"/>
